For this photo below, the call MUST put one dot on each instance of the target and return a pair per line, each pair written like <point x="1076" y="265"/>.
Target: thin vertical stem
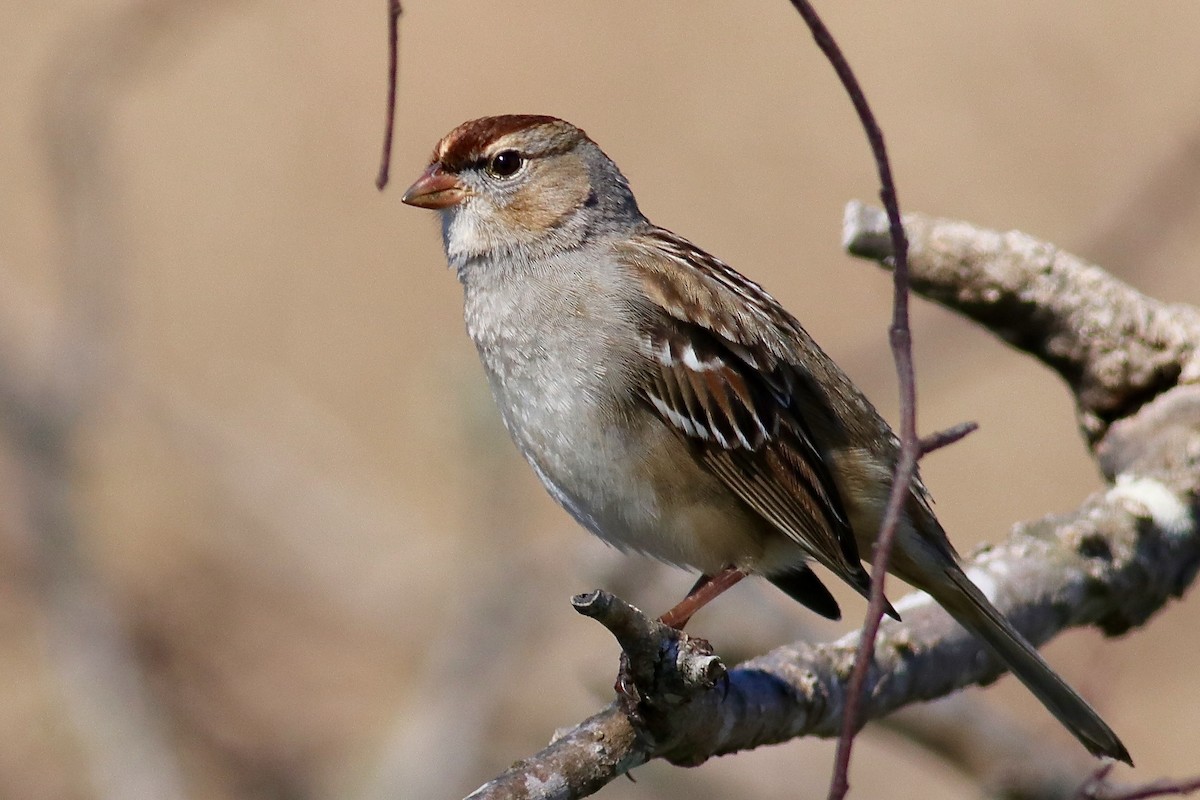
<point x="901" y="342"/>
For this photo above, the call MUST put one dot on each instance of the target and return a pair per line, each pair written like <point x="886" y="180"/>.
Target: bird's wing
<point x="721" y="373"/>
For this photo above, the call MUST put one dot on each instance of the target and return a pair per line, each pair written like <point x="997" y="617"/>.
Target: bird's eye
<point x="505" y="164"/>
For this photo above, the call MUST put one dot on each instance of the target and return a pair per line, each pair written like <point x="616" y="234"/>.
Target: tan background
<point x="335" y="574"/>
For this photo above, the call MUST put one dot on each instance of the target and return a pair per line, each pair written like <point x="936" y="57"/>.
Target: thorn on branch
<point x="940" y="439"/>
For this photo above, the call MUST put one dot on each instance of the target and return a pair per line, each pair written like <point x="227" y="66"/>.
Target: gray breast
<point x="552" y="376"/>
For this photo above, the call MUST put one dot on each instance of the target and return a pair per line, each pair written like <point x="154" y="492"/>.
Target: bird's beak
<point x="436" y="188"/>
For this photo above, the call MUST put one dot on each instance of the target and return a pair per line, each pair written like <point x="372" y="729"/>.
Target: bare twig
<point x="900" y="336"/>
<point x="936" y="441"/>
<point x="1097" y="787"/>
<point x="389" y="124"/>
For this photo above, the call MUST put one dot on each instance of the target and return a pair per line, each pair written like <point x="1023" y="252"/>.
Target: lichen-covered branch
<point x="1116" y="347"/>
<point x="1113" y="562"/>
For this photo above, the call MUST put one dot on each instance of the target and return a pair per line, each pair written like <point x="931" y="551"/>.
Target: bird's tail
<point x="968" y="605"/>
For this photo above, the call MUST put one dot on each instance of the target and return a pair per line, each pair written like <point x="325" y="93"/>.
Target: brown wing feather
<point x="739" y="424"/>
<point x="759" y="416"/>
<point x="730" y="393"/>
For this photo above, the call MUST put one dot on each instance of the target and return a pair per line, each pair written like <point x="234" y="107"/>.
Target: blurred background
<point x="261" y="533"/>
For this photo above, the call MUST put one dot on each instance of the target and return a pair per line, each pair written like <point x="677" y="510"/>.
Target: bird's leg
<point x="706" y="589"/>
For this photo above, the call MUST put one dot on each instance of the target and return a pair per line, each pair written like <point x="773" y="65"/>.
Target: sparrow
<point x="671" y="405"/>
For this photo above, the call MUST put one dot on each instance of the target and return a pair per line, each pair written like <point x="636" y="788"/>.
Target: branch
<point x="1111" y="564"/>
<point x="1115" y="347"/>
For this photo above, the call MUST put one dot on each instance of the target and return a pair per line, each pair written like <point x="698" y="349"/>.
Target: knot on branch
<point x="662" y="668"/>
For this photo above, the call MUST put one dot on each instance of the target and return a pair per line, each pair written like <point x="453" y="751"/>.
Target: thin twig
<point x="385" y="162"/>
<point x="901" y="342"/>
<point x="1097" y="787"/>
<point x="940" y="439"/>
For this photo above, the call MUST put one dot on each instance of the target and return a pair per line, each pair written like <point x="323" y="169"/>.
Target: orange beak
<point x="436" y="188"/>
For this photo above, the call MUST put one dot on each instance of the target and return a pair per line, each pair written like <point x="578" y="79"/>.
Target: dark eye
<point x="505" y="164"/>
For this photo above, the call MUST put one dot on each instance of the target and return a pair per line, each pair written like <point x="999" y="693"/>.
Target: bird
<point x="671" y="405"/>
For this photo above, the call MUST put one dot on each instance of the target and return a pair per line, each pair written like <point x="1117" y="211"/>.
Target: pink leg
<point x="706" y="589"/>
